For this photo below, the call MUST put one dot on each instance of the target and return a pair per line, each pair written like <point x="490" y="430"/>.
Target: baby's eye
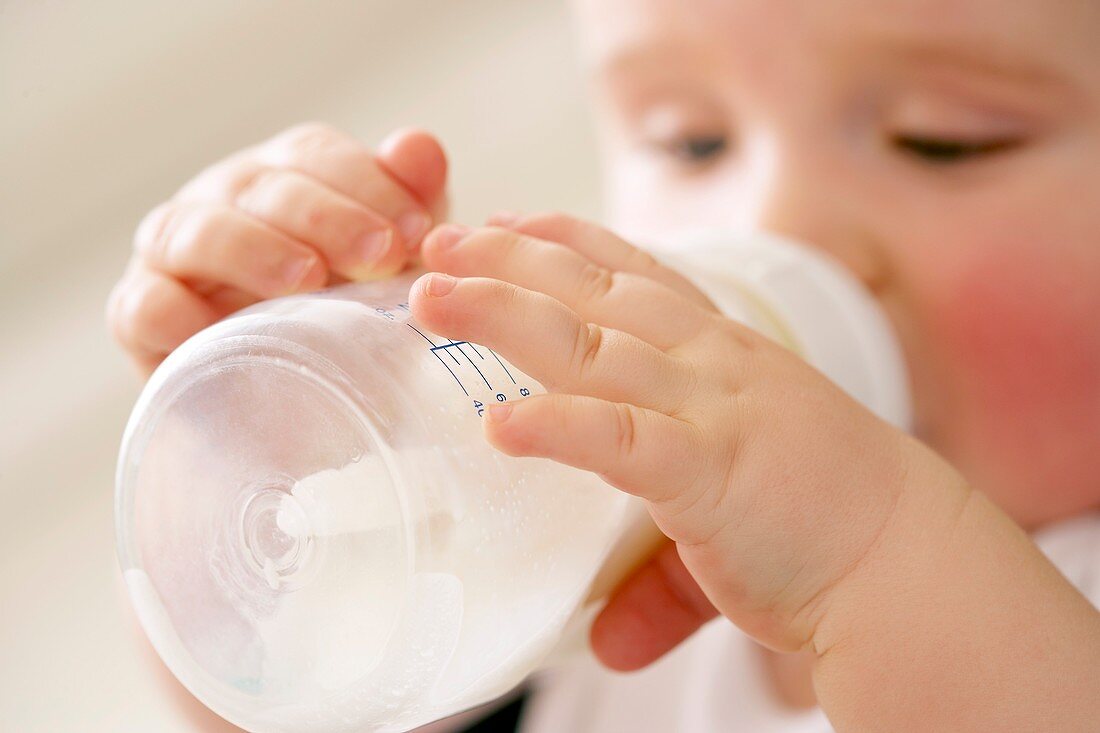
<point x="946" y="151"/>
<point x="695" y="149"/>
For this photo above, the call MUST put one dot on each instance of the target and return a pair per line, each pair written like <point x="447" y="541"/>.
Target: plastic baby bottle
<point x="317" y="537"/>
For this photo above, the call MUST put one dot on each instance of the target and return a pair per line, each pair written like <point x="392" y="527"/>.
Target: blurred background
<point x="107" y="108"/>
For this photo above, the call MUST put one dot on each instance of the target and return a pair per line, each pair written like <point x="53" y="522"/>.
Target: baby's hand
<point x="772" y="482"/>
<point x="307" y="208"/>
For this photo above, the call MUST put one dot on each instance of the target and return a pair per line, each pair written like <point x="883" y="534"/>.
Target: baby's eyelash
<point x="946" y="150"/>
<point x="695" y="149"/>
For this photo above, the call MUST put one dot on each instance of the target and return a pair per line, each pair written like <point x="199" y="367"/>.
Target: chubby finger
<point x="650" y="613"/>
<point x="346" y="165"/>
<point x="548" y="341"/>
<point x="356" y="242"/>
<point x="640" y="451"/>
<point x="602" y="247"/>
<point x="417" y="160"/>
<point x="621" y="300"/>
<point x="218" y="243"/>
<point x="150" y="314"/>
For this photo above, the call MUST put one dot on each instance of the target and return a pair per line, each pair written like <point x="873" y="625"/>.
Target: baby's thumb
<point x="653" y="610"/>
<point x="417" y="161"/>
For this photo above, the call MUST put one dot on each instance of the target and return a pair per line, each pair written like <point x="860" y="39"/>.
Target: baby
<point x="948" y="155"/>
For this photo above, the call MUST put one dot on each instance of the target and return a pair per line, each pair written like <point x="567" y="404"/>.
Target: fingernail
<point x="499" y="412"/>
<point x="439" y="284"/>
<point x="504" y="219"/>
<point x="296" y="270"/>
<point x="373" y="246"/>
<point x="448" y="235"/>
<point x="413" y="225"/>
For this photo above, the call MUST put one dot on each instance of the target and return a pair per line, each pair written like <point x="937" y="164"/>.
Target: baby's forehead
<point x="1027" y="37"/>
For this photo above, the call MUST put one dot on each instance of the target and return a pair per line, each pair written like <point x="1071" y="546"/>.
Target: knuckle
<point x="508" y="295"/>
<point x="626" y="432"/>
<point x="586" y="350"/>
<point x="261" y="188"/>
<point x="728" y="343"/>
<point x="278" y="194"/>
<point x="595" y="282"/>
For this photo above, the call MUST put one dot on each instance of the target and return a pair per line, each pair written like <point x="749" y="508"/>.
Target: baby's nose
<point x="816" y="208"/>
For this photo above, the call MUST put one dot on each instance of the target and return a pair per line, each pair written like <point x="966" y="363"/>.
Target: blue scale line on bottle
<point x="445" y="355"/>
<point x="452" y="346"/>
<point x="435" y="352"/>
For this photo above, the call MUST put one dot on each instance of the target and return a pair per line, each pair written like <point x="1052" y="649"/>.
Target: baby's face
<point x="947" y="152"/>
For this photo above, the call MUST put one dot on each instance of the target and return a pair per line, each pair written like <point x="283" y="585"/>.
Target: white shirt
<point x="714" y="683"/>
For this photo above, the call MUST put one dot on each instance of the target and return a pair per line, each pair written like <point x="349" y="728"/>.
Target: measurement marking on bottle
<point x="452" y="346"/>
<point x="445" y="364"/>
<point x="502" y="365"/>
<point x="444" y="348"/>
<point x="458" y="345"/>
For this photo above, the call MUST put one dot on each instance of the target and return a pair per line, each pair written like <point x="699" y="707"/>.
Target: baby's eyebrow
<point x="639" y="57"/>
<point x="984" y="59"/>
<point x="999" y="70"/>
<point x="974" y="55"/>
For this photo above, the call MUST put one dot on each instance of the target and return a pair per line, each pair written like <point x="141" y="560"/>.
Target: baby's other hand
<point x="773" y="484"/>
<point x="308" y="208"/>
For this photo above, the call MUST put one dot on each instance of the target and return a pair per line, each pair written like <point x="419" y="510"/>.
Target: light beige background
<point x="105" y="108"/>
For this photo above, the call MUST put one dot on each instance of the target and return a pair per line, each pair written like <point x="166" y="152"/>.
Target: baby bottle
<point x="317" y="537"/>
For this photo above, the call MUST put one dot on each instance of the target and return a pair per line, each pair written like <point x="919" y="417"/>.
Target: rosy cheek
<point x="1019" y="330"/>
<point x="1025" y="345"/>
